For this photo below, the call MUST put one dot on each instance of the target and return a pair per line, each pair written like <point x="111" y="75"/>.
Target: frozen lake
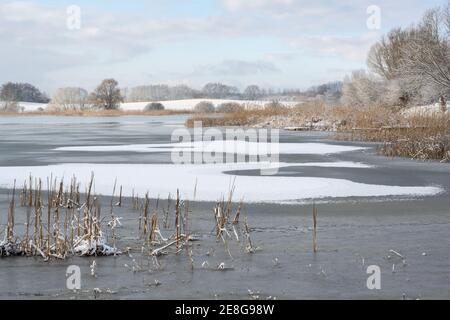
<point x="138" y="150"/>
<point x="367" y="206"/>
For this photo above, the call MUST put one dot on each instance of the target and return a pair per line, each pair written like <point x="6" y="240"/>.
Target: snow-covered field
<point x="32" y="106"/>
<point x="431" y="109"/>
<point x="187" y="104"/>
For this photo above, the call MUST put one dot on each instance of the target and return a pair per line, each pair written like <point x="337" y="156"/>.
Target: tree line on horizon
<point x="108" y="94"/>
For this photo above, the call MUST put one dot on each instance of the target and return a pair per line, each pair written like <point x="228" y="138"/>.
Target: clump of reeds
<point x="66" y="227"/>
<point x="151" y="231"/>
<point x="92" y="241"/>
<point x="61" y="221"/>
<point x="421" y="136"/>
<point x="228" y="228"/>
<point x="9" y="246"/>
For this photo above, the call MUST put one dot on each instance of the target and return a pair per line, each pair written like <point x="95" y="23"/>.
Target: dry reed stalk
<point x="314" y="214"/>
<point x="166" y="213"/>
<point x="23" y="195"/>
<point x="96" y="221"/>
<point x="27" y="232"/>
<point x="119" y="204"/>
<point x="30" y="196"/>
<point x="230" y="199"/>
<point x="238" y="212"/>
<point x="177" y="218"/>
<point x="56" y="218"/>
<point x="250" y="248"/>
<point x="87" y="209"/>
<point x="11" y="220"/>
<point x="145" y="215"/>
<point x="38" y="203"/>
<point x="49" y="209"/>
<point x="153" y="229"/>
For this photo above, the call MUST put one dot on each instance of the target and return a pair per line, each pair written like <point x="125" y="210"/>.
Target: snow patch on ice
<point x="213" y="182"/>
<point x="222" y="146"/>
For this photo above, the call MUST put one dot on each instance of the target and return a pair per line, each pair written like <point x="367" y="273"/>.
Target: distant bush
<point x="154" y="106"/>
<point x="230" y="107"/>
<point x="273" y="105"/>
<point x="204" y="107"/>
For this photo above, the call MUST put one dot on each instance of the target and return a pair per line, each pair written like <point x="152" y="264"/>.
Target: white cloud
<point x="350" y="48"/>
<point x="254" y="37"/>
<point x="252" y="4"/>
<point x="237" y="67"/>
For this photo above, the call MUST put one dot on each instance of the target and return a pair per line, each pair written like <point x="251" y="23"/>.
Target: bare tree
<point x="69" y="98"/>
<point x="107" y="95"/>
<point x="220" y="91"/>
<point x="252" y="92"/>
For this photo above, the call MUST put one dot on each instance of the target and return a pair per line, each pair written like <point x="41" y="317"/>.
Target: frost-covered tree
<point x="426" y="61"/>
<point x="416" y="59"/>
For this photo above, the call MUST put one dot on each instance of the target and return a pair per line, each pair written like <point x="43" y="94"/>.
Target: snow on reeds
<point x="60" y="227"/>
<point x="63" y="222"/>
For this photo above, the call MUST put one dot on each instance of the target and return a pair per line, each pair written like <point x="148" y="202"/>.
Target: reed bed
<point x="239" y="117"/>
<point x="62" y="221"/>
<point x="420" y="136"/>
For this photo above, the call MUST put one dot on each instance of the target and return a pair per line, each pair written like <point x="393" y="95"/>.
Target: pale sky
<point x="271" y="43"/>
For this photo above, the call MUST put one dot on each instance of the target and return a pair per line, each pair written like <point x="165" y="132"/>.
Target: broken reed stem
<point x="153" y="229"/>
<point x="166" y="213"/>
<point x="247" y="235"/>
<point x="119" y="204"/>
<point x="238" y="212"/>
<point x="30" y="196"/>
<point x="49" y="209"/>
<point x="314" y="213"/>
<point x="145" y="221"/>
<point x="177" y="218"/>
<point x="87" y="209"/>
<point x="56" y="216"/>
